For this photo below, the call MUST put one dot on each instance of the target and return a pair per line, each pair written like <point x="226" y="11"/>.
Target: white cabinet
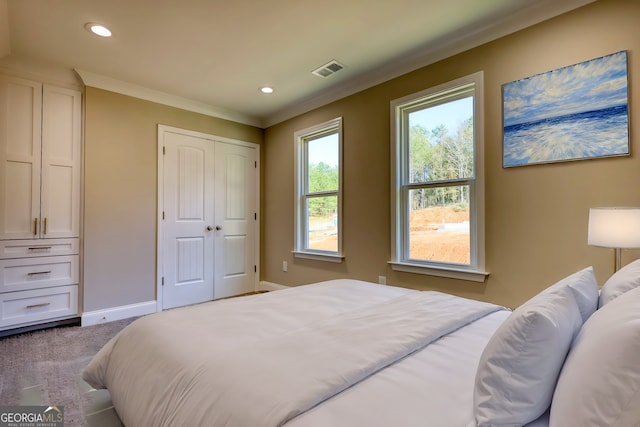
<point x="40" y="148"/>
<point x="38" y="305"/>
<point x="40" y="139"/>
<point x="19" y="274"/>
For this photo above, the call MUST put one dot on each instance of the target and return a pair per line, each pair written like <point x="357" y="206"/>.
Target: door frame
<point x="162" y="129"/>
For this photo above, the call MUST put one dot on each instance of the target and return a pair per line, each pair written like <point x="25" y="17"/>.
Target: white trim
<point x="43" y="72"/>
<point x="159" y="217"/>
<point x="300" y="169"/>
<point x="269" y="286"/>
<point x="318" y="256"/>
<point x="130" y="89"/>
<point x="475" y="271"/>
<point x="431" y="53"/>
<point x="117" y="313"/>
<point x="449" y="272"/>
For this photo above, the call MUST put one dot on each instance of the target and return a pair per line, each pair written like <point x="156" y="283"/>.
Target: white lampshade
<point x="614" y="227"/>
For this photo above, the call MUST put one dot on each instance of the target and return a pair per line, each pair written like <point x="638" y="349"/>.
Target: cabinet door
<point x="20" y="136"/>
<point x="29" y="307"/>
<point x="61" y="115"/>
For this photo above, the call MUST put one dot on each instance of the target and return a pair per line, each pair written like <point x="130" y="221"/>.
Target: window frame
<point x="401" y="185"/>
<point x="301" y="138"/>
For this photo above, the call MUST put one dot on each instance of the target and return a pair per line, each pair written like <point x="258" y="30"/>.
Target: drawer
<point x="38" y="248"/>
<point x="17" y="308"/>
<point x="21" y="274"/>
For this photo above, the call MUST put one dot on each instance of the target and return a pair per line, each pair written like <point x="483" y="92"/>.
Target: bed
<point x="347" y="353"/>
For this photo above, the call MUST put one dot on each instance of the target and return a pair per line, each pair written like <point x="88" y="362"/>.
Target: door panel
<point x="235" y="181"/>
<point x="58" y="206"/>
<point x="235" y="265"/>
<point x="61" y="114"/>
<point x="190" y="263"/>
<point x="188" y="208"/>
<point x="20" y="142"/>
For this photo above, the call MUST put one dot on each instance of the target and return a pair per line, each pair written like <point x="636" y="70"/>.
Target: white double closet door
<point x="208" y="221"/>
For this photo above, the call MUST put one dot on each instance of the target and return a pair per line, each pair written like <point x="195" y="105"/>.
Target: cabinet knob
<point x="209" y="228"/>
<point x="218" y="227"/>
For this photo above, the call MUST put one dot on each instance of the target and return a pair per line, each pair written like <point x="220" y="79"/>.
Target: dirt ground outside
<point x="440" y="234"/>
<point x="437" y="234"/>
<point x="323" y="233"/>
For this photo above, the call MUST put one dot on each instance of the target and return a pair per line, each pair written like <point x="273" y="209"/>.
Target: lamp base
<point x="616" y="259"/>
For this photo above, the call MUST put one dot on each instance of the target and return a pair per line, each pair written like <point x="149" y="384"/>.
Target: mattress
<point x="433" y="387"/>
<point x="338" y="353"/>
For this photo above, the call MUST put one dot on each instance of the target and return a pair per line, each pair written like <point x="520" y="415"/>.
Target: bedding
<point x="519" y="367"/>
<point x="347" y="353"/>
<point x="623" y="280"/>
<point x="609" y="395"/>
<point x="300" y="357"/>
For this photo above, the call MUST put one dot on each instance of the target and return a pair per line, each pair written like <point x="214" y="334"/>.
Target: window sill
<point x="319" y="256"/>
<point x="449" y="272"/>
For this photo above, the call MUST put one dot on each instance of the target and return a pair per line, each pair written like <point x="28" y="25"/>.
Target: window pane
<point x="441" y="142"/>
<point x="323" y="171"/>
<point x="322" y="223"/>
<point x="439" y="224"/>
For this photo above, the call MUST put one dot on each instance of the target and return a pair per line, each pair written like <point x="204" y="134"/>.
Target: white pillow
<point x="584" y="287"/>
<point x="519" y="367"/>
<point x="600" y="382"/>
<point x="623" y="280"/>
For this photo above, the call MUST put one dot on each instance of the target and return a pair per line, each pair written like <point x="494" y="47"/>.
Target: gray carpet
<point x="44" y="367"/>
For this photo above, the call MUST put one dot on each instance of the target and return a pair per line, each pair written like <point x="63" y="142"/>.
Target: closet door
<point x="61" y="115"/>
<point x="20" y="136"/>
<point x="235" y="217"/>
<point x="188" y="220"/>
<point x="207" y="223"/>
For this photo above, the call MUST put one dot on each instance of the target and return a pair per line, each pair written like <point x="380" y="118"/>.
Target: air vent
<point x="327" y="69"/>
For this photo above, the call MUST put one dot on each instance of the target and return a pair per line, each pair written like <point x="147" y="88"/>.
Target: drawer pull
<point x="35" y="273"/>
<point x="44" y="304"/>
<point x="39" y="248"/>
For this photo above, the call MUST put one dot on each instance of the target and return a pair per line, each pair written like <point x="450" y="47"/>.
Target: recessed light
<point x="266" y="89"/>
<point x="98" y="29"/>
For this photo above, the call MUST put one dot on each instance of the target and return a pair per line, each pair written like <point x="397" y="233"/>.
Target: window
<point x="437" y="181"/>
<point x="319" y="192"/>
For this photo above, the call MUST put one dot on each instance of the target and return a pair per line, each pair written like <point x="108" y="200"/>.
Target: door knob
<point x="218" y="227"/>
<point x="209" y="228"/>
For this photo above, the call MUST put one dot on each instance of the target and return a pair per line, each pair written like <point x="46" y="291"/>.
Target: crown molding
<point x="429" y="54"/>
<point x="136" y="91"/>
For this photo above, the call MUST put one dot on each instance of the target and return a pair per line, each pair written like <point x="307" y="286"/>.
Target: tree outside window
<point x="438" y="221"/>
<point x="318" y="188"/>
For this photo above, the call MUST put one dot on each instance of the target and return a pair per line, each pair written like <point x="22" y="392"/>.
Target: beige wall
<point x="120" y="192"/>
<point x="536" y="215"/>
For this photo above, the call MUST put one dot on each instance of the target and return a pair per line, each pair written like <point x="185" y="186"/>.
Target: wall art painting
<point x="572" y="113"/>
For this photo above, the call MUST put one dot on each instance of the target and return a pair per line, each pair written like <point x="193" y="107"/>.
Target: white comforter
<point x="260" y="361"/>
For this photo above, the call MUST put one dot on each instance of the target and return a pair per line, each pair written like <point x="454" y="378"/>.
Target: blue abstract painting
<point x="571" y="113"/>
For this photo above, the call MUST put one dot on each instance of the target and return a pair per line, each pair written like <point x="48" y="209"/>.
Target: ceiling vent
<point x="327" y="69"/>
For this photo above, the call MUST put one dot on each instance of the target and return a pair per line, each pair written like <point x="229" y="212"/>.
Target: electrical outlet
<point x="382" y="280"/>
<point x="284" y="265"/>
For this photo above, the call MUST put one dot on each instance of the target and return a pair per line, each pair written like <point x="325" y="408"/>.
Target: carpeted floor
<point x="44" y="368"/>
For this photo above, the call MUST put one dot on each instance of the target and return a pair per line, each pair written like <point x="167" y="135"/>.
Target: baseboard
<point x="268" y="286"/>
<point x="118" y="313"/>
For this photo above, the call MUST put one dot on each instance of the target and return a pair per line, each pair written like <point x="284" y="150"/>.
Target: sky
<point x="588" y="86"/>
<point x="325" y="149"/>
<point x="449" y="114"/>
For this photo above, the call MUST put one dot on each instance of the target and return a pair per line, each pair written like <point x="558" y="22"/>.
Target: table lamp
<point x="617" y="228"/>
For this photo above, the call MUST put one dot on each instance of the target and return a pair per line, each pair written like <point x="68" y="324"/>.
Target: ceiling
<point x="216" y="54"/>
